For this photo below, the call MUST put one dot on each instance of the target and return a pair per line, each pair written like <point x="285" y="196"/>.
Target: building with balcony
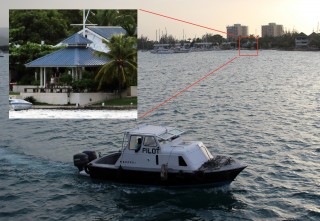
<point x="272" y="30"/>
<point x="302" y="41"/>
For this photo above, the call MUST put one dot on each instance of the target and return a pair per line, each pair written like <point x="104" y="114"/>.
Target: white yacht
<point x="162" y="49"/>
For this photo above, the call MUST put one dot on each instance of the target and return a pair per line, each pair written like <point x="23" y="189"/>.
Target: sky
<point x="299" y="15"/>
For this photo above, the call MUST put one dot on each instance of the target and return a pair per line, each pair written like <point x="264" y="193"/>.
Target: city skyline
<point x="298" y="15"/>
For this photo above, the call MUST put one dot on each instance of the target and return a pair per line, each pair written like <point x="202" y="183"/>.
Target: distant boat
<point x="181" y="49"/>
<point x="162" y="49"/>
<point x="19" y="104"/>
<point x="1" y="54"/>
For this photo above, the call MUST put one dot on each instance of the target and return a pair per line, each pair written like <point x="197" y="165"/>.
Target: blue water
<point x="263" y="111"/>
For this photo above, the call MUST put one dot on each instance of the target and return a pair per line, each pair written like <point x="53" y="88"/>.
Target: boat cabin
<point x="148" y="147"/>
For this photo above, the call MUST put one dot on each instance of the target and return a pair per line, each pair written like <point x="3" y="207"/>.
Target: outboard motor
<point x="91" y="155"/>
<point x="80" y="160"/>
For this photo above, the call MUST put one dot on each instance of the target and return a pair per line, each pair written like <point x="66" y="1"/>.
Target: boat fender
<point x="164" y="172"/>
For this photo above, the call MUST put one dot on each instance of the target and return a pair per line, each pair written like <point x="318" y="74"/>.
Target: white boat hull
<point x="18" y="104"/>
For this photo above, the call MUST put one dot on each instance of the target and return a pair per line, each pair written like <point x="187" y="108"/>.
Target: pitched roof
<point x="76" y="39"/>
<point x="69" y="57"/>
<point x="302" y="35"/>
<point x="314" y="35"/>
<point x="107" y="32"/>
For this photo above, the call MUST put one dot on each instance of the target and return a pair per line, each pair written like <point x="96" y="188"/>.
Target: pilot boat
<point x="157" y="155"/>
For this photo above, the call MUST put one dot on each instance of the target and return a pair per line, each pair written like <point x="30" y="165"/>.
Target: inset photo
<point x="73" y="64"/>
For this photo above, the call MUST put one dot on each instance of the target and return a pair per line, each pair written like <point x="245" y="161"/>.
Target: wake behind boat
<point x="156" y="155"/>
<point x="19" y="104"/>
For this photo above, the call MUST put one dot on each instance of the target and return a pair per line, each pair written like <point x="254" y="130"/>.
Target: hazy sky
<point x="301" y="15"/>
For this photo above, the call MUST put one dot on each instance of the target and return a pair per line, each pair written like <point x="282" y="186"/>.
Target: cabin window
<point x="149" y="141"/>
<point x="135" y="142"/>
<point x="182" y="163"/>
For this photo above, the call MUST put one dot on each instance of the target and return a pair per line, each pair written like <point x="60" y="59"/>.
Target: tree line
<point x="285" y="42"/>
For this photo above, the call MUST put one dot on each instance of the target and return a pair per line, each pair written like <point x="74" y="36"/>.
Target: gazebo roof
<point x="69" y="57"/>
<point x="76" y="39"/>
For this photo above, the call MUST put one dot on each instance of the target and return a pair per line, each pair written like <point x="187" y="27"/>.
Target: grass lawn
<point x="122" y="101"/>
<point x="14" y="93"/>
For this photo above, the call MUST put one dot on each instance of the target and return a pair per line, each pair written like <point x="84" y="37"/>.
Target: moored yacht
<point x="162" y="49"/>
<point x="157" y="155"/>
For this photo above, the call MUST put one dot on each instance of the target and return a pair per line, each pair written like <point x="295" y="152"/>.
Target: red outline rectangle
<point x="239" y="37"/>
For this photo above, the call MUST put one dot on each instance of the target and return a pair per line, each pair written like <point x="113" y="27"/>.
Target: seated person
<point x="138" y="145"/>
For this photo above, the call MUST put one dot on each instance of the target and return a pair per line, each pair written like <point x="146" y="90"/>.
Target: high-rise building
<point x="236" y="30"/>
<point x="272" y="30"/>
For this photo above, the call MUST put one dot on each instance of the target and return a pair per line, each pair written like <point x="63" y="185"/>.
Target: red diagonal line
<point x="190" y="23"/>
<point x="183" y="90"/>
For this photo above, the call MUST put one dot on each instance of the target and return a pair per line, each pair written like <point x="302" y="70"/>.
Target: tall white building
<point x="272" y="30"/>
<point x="236" y="30"/>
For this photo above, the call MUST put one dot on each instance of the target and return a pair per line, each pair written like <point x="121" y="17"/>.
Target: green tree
<point x="145" y="44"/>
<point x="106" y="17"/>
<point x="65" y="79"/>
<point x="122" y="63"/>
<point x="127" y="19"/>
<point x="37" y="25"/>
<point x="167" y="39"/>
<point x="72" y="17"/>
<point x="23" y="54"/>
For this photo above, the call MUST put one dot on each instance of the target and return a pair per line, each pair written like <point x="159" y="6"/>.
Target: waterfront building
<point x="302" y="41"/>
<point x="272" y="30"/>
<point x="314" y="41"/>
<point x="233" y="32"/>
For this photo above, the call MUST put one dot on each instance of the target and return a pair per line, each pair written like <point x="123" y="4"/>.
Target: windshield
<point x="171" y="134"/>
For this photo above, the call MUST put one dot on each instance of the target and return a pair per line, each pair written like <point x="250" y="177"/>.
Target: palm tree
<point x="107" y="17"/>
<point x="127" y="19"/>
<point x="122" y="63"/>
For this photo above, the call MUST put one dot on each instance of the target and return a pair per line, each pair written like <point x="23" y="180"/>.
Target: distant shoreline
<point x="264" y="49"/>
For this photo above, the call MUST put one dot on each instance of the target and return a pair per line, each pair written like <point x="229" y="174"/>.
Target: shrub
<point x="65" y="79"/>
<point x="30" y="99"/>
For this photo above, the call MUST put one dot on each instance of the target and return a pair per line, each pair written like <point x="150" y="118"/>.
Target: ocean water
<point x="263" y="111"/>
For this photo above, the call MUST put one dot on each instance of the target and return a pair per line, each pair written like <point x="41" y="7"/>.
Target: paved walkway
<point x="93" y="107"/>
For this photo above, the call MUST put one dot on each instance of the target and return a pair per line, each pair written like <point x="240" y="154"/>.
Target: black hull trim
<point x="172" y="179"/>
